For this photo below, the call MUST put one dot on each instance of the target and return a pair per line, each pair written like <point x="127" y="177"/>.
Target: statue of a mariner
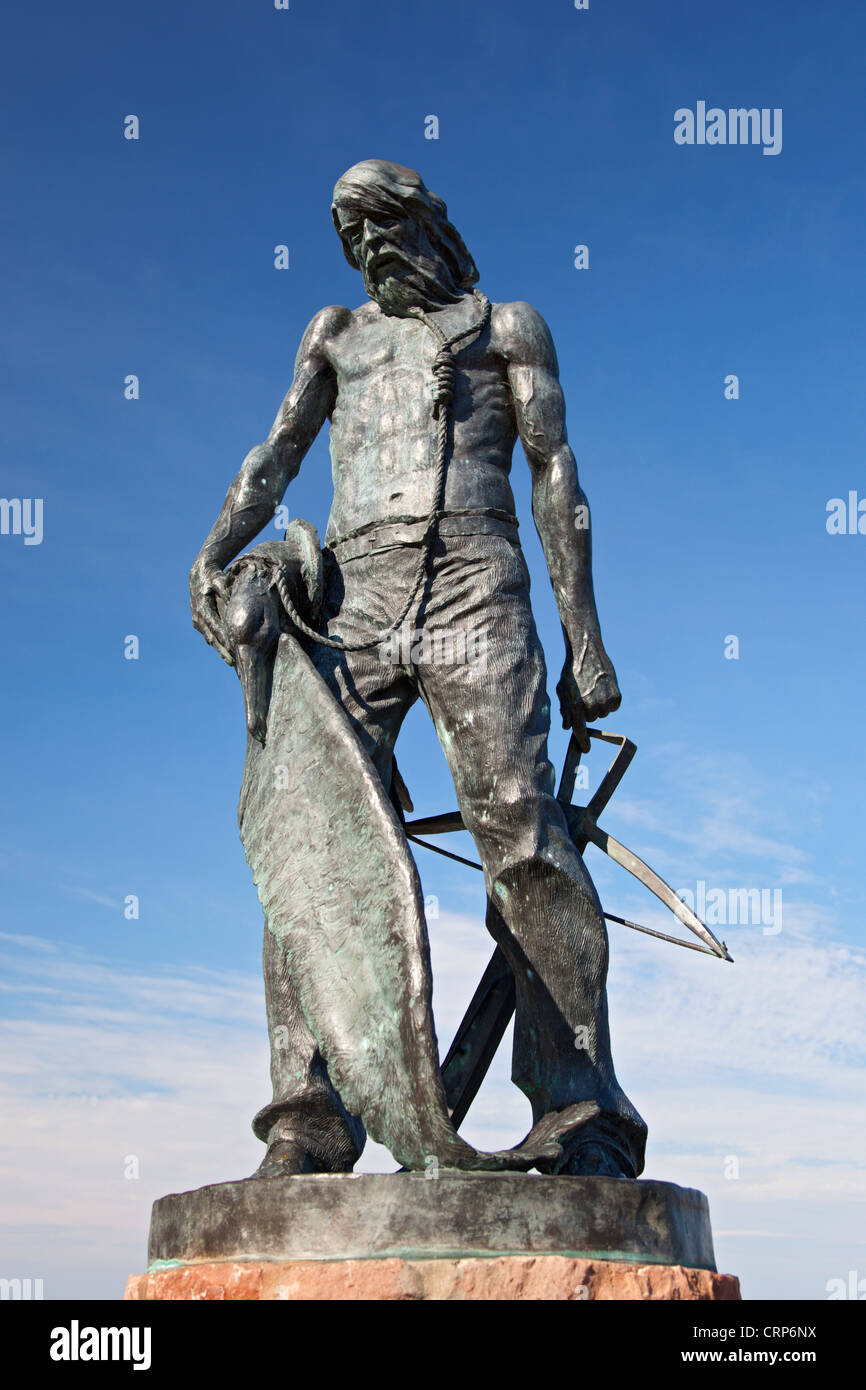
<point x="426" y="386"/>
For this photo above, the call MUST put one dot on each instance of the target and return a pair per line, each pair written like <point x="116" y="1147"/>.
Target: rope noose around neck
<point x="444" y="380"/>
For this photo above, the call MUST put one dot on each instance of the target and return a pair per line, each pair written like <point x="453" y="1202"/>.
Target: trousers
<point x="471" y="652"/>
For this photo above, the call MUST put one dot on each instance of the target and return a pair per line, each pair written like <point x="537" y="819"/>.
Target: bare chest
<point x="385" y="384"/>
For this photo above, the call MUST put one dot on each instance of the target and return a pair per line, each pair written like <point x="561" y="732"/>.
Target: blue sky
<point x="155" y="257"/>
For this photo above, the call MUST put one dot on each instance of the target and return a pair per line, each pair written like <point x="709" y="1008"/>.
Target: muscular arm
<point x="588" y="689"/>
<point x="267" y="471"/>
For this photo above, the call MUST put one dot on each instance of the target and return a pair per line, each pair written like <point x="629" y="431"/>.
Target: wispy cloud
<point x="91" y="897"/>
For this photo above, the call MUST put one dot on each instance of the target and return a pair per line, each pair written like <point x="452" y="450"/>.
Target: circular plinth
<point x="350" y="1216"/>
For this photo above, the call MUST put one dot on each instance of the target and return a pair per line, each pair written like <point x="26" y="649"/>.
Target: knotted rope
<point x="444" y="380"/>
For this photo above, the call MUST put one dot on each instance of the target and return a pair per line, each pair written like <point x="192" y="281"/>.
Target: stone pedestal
<point x="500" y="1277"/>
<point x="455" y="1236"/>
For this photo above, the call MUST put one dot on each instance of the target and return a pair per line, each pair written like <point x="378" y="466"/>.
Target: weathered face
<point x="399" y="265"/>
<point x="377" y="241"/>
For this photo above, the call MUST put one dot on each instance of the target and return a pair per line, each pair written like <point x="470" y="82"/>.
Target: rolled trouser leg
<point x="553" y="936"/>
<point x="306" y="1114"/>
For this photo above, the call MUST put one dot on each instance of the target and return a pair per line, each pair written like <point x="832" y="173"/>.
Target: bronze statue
<point x="427" y="387"/>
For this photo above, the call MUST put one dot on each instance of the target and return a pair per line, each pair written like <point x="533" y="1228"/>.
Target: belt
<point x="394" y="533"/>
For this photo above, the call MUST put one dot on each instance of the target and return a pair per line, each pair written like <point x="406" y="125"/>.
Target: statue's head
<point x="397" y="233"/>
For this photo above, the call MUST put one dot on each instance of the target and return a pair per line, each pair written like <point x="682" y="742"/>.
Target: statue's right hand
<point x="207" y="584"/>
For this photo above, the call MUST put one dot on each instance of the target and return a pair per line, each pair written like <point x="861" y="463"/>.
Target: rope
<point x="444" y="381"/>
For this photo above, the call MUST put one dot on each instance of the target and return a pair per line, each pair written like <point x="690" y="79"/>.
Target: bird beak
<point x="253" y="669"/>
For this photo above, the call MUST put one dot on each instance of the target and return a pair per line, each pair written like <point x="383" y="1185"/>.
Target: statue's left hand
<point x="587" y="689"/>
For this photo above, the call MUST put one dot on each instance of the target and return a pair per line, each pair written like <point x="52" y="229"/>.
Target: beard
<point x="398" y="282"/>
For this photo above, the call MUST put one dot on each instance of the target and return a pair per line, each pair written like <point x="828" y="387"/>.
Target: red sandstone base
<point x="550" y="1277"/>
